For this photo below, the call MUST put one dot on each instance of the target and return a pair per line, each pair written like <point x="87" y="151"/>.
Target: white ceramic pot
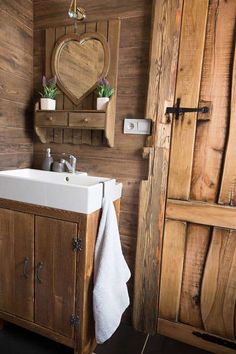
<point x="102" y="103"/>
<point x="47" y="104"/>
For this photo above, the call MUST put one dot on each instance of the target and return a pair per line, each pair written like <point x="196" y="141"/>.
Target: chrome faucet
<point x="71" y="164"/>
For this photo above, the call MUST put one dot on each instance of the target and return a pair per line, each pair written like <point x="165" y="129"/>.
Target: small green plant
<point x="49" y="88"/>
<point x="104" y="89"/>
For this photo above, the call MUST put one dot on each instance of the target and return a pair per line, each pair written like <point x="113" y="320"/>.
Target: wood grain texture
<point x="85" y="342"/>
<point x="16" y="77"/>
<point x="188" y="88"/>
<point x="208" y="150"/>
<point x="163" y="67"/>
<point x="47" y="14"/>
<point x="197" y="245"/>
<point x="184" y="333"/>
<point x="55" y="281"/>
<point x="218" y="300"/>
<point x="227" y="192"/>
<point x="215" y="87"/>
<point x="201" y="213"/>
<point x="172" y="268"/>
<point x="16" y="276"/>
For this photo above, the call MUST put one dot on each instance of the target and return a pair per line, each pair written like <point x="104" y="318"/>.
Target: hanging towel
<point x="111" y="273"/>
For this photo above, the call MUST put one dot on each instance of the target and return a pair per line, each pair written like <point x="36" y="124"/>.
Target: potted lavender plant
<point x="48" y="94"/>
<point x="105" y="92"/>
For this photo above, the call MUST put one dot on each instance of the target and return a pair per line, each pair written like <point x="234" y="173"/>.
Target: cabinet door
<point x="55" y="263"/>
<point x="16" y="263"/>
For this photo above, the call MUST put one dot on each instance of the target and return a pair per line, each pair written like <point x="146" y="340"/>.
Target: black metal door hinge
<point x="179" y="111"/>
<point x="74" y="320"/>
<point x="213" y="339"/>
<point x="77" y="245"/>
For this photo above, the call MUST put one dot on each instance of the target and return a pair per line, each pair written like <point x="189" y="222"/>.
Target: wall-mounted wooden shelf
<point x="77" y="119"/>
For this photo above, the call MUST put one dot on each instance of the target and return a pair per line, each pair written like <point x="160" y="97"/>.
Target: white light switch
<point x="137" y="126"/>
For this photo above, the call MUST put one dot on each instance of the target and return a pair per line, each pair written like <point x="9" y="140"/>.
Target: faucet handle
<point x="73" y="161"/>
<point x="72" y="157"/>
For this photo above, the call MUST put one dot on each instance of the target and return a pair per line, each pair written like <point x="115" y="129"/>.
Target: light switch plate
<point x="137" y="126"/>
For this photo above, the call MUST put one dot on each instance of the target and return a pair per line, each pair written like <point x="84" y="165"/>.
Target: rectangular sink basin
<point x="73" y="192"/>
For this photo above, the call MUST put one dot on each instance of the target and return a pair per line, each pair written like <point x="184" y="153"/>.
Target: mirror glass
<point x="79" y="65"/>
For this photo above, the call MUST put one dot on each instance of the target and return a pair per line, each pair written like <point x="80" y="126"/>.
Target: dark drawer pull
<point x="25" y="267"/>
<point x="38" y="271"/>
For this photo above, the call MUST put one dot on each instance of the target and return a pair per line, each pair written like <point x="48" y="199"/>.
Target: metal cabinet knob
<point x="50" y="118"/>
<point x="86" y="120"/>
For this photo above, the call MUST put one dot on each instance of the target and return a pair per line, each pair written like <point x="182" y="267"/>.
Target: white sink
<point x="74" y="192"/>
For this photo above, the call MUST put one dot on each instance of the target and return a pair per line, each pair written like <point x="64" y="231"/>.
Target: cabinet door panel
<point x="55" y="263"/>
<point x="16" y="263"/>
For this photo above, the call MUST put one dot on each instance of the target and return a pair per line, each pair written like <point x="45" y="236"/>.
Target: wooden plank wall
<point x="124" y="161"/>
<point x="16" y="81"/>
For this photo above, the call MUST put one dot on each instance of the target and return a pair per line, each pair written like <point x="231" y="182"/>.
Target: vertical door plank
<point x="49" y="43"/>
<point x="228" y="192"/>
<point x="195" y="257"/>
<point x="17" y="243"/>
<point x="218" y="296"/>
<point x="164" y="50"/>
<point x="218" y="303"/>
<point x="215" y="87"/>
<point x="172" y="269"/>
<point x="97" y="135"/>
<point x="55" y="294"/>
<point x="188" y="87"/>
<point x="58" y="133"/>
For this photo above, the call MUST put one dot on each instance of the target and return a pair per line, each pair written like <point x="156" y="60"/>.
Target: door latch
<point x="179" y="111"/>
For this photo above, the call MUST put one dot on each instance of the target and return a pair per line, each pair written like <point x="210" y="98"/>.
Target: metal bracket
<point x="77" y="245"/>
<point x="214" y="339"/>
<point x="179" y="111"/>
<point x="74" y="320"/>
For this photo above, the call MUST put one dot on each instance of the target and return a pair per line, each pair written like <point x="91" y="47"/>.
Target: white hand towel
<point x="111" y="273"/>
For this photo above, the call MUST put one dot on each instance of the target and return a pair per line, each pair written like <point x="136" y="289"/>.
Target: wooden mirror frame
<point x="81" y="39"/>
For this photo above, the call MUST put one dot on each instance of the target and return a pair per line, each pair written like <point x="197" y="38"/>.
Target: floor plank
<point x="15" y="340"/>
<point x="124" y="341"/>
<point x="163" y="345"/>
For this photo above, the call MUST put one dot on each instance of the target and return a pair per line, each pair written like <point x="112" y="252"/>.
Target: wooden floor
<point x="14" y="340"/>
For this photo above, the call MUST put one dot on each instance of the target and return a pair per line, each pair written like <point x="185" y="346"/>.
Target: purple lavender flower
<point x="44" y="81"/>
<point x="49" y="82"/>
<point x="103" y="88"/>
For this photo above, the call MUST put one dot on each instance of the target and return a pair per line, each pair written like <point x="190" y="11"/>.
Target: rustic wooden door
<point x="16" y="263"/>
<point x="185" y="281"/>
<point x="198" y="272"/>
<point x="55" y="274"/>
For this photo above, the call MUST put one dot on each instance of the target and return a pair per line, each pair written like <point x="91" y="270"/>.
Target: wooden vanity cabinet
<point x="46" y="272"/>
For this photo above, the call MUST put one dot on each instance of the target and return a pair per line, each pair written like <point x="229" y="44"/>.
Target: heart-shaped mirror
<point x="78" y="62"/>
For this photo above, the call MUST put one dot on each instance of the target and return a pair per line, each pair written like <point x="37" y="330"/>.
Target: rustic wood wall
<point x="16" y="80"/>
<point x="123" y="162"/>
